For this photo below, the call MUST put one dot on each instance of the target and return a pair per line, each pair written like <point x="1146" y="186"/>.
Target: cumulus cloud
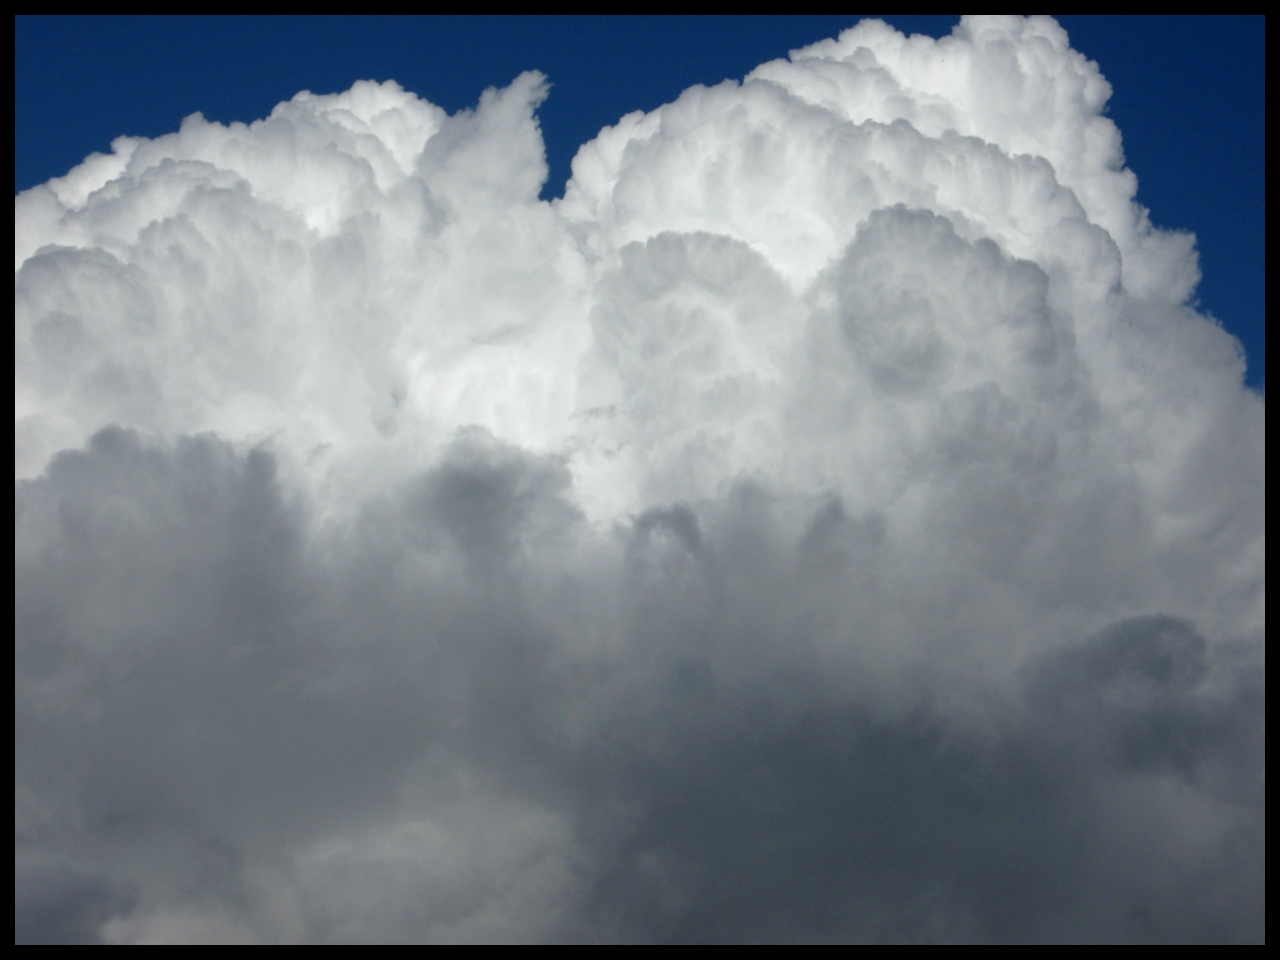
<point x="829" y="521"/>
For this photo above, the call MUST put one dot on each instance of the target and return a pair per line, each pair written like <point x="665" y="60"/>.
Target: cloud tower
<point x="831" y="520"/>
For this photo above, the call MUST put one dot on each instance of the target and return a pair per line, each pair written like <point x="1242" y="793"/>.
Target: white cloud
<point x="828" y="521"/>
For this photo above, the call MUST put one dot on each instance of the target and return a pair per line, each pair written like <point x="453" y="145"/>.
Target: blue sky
<point x="1188" y="95"/>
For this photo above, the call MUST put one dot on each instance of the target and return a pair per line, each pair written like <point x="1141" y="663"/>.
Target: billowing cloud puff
<point x="829" y="521"/>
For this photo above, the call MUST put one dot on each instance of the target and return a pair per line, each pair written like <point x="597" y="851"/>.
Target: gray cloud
<point x="828" y="523"/>
<point x="647" y="719"/>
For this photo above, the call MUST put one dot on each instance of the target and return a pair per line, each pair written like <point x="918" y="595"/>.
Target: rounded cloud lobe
<point x="830" y="521"/>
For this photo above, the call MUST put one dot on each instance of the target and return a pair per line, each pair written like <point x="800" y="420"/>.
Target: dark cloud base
<point x="641" y="725"/>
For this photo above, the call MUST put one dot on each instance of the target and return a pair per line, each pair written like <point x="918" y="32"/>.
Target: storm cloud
<point x="830" y="520"/>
